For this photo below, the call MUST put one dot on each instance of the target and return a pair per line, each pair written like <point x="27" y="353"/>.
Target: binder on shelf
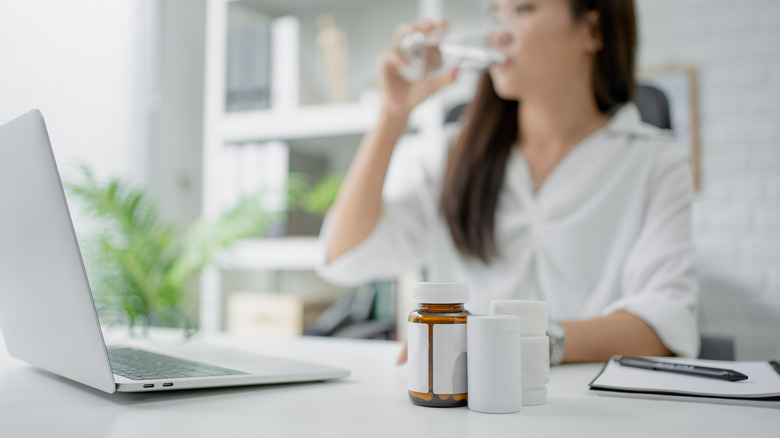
<point x="250" y="169"/>
<point x="248" y="73"/>
<point x="761" y="388"/>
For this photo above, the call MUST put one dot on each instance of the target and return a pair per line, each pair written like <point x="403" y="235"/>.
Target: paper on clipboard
<point x="763" y="381"/>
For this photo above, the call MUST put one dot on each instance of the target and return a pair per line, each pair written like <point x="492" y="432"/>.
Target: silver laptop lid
<point x="47" y="314"/>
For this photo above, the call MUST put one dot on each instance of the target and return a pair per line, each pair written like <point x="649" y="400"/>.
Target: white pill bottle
<point x="535" y="346"/>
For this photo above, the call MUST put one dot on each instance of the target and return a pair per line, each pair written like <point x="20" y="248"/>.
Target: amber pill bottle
<point x="437" y="345"/>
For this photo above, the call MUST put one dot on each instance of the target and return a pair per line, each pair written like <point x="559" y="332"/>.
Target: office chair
<point x="717" y="348"/>
<point x="653" y="106"/>
<point x="357" y="315"/>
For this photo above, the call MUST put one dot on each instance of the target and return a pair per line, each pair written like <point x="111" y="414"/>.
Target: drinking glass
<point x="466" y="46"/>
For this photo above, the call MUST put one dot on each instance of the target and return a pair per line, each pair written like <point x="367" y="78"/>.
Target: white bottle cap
<point x="494" y="324"/>
<point x="494" y="364"/>
<point x="521" y="308"/>
<point x="440" y="293"/>
<point x="534" y="315"/>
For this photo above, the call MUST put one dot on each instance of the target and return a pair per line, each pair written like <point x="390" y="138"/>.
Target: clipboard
<point x="762" y="387"/>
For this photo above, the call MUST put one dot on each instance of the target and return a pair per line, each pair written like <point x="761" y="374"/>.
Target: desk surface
<point x="371" y="402"/>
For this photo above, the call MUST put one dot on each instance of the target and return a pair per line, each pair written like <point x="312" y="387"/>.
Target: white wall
<point x="120" y="84"/>
<point x="736" y="50"/>
<point x="176" y="172"/>
<point x="88" y="66"/>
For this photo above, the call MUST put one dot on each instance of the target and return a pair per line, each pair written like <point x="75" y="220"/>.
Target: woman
<point x="554" y="189"/>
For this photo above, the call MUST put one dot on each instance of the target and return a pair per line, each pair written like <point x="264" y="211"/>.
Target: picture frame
<point x="679" y="82"/>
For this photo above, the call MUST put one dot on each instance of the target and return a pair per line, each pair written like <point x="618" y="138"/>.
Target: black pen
<point x="691" y="370"/>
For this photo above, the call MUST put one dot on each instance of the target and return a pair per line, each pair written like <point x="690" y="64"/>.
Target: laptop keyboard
<point x="144" y="365"/>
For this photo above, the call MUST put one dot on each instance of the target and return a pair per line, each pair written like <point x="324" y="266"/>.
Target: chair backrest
<point x="717" y="348"/>
<point x="653" y="106"/>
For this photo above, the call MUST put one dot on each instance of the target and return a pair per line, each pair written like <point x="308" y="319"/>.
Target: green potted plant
<point x="144" y="270"/>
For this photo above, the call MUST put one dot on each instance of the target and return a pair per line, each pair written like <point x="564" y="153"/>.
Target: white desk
<point x="372" y="402"/>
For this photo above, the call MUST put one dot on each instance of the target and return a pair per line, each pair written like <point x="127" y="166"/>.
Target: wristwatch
<point x="557" y="336"/>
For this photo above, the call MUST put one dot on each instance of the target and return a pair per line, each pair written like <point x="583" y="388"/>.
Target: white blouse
<point x="608" y="230"/>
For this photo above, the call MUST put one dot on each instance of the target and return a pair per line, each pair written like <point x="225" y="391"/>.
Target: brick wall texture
<point x="735" y="49"/>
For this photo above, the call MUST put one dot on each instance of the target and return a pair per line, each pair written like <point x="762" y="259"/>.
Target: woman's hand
<point x="400" y="96"/>
<point x="403" y="356"/>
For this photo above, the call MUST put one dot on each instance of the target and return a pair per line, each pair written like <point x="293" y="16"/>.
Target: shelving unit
<point x="316" y="121"/>
<point x="305" y="122"/>
<point x="319" y="126"/>
<point x="288" y="253"/>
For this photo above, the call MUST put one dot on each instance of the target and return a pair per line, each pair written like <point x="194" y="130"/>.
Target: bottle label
<point x="418" y="357"/>
<point x="449" y="359"/>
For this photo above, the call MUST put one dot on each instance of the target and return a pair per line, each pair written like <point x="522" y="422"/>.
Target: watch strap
<point x="557" y="335"/>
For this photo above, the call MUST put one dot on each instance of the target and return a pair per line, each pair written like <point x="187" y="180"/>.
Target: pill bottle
<point x="437" y="345"/>
<point x="495" y="364"/>
<point x="535" y="345"/>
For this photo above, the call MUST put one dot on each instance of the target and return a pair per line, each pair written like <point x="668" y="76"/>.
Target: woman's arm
<point x="660" y="289"/>
<point x="359" y="204"/>
<point x="598" y="339"/>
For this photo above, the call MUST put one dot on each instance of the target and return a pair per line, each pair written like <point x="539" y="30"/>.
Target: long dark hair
<point x="477" y="164"/>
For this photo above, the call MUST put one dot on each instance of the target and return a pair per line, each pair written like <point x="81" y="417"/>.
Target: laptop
<point x="47" y="313"/>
